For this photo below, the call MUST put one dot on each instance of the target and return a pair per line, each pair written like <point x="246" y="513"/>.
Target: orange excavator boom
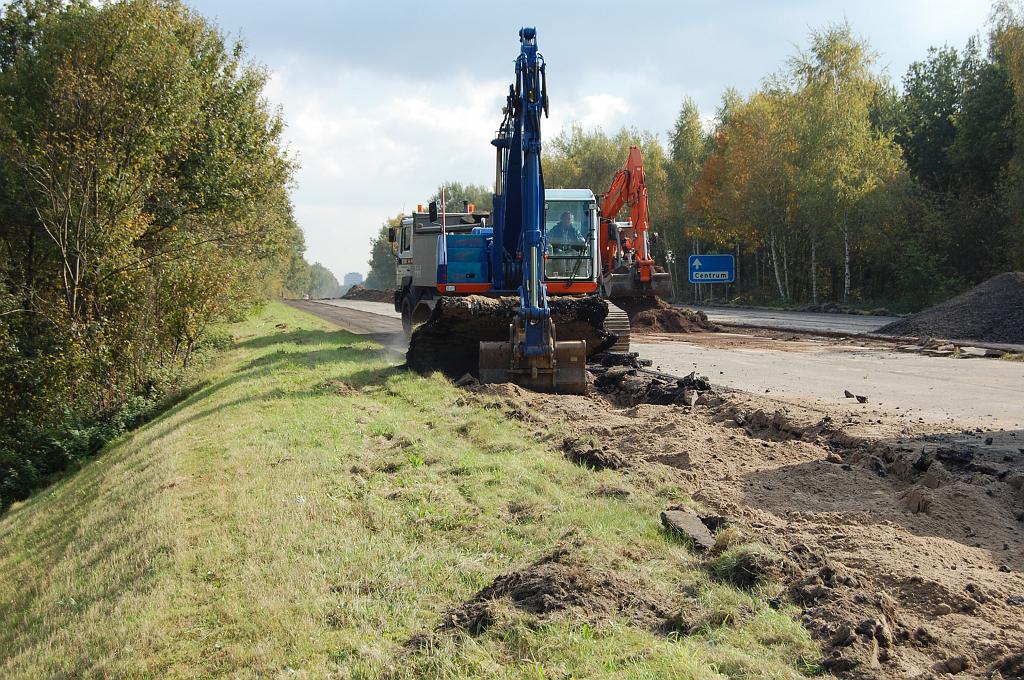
<point x="628" y="269"/>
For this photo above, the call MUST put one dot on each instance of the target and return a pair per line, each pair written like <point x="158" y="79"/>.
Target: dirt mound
<point x="902" y="545"/>
<point x="358" y="292"/>
<point x="990" y="312"/>
<point x="449" y="341"/>
<point x="654" y="315"/>
<point x="556" y="582"/>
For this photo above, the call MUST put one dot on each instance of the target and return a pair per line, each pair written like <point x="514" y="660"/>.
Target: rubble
<point x="630" y="385"/>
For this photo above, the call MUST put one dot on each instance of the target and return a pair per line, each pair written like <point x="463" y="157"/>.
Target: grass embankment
<point x="311" y="509"/>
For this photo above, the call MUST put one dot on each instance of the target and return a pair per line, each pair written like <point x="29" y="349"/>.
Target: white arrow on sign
<point x="696" y="263"/>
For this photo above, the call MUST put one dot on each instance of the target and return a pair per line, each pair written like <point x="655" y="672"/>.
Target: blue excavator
<point x="532" y="357"/>
<point x="474" y="287"/>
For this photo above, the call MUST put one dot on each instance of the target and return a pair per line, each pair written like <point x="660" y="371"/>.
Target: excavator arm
<point x="629" y="269"/>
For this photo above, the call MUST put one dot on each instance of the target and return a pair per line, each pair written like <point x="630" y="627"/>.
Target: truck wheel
<point x="407" y="315"/>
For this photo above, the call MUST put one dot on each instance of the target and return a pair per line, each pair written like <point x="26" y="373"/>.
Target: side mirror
<point x="433" y="211"/>
<point x="391" y="235"/>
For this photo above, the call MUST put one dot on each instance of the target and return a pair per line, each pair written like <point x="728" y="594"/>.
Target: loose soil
<point x="358" y="292"/>
<point x="902" y="541"/>
<point x="990" y="312"/>
<point x="558" y="581"/>
<point x="654" y="315"/>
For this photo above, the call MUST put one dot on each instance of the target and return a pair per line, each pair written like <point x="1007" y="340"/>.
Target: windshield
<point x="569" y="229"/>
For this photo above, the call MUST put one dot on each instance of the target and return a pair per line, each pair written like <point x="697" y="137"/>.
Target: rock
<point x="952" y="665"/>
<point x="689" y="397"/>
<point x="936" y="476"/>
<point x="848" y="394"/>
<point x="1016" y="482"/>
<point x="917" y="501"/>
<point x="973" y="352"/>
<point x="876" y="629"/>
<point x="687" y="523"/>
<point x="942" y="609"/>
<point x="715" y="523"/>
<point x="842" y="637"/>
<point x="861" y="399"/>
<point x="924" y="637"/>
<point x="466" y="380"/>
<point x="1015" y="600"/>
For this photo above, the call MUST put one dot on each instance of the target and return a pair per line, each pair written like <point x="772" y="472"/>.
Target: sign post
<point x="712" y="269"/>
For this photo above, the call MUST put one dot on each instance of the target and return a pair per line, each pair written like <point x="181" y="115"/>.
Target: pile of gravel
<point x="990" y="312"/>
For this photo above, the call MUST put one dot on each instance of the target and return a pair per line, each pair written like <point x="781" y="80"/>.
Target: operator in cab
<point x="565" y="239"/>
<point x="565" y="232"/>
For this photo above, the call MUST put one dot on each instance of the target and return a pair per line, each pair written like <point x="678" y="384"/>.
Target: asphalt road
<point x="985" y="392"/>
<point x="797" y="321"/>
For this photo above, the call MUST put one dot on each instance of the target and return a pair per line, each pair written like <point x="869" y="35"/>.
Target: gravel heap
<point x="358" y="292"/>
<point x="990" y="312"/>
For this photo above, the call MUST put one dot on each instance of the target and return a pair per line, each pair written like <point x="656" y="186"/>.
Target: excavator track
<point x="617" y="322"/>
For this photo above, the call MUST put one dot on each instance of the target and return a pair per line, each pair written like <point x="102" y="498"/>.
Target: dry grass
<point x="311" y="508"/>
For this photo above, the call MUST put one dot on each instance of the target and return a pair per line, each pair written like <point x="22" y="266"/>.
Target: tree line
<point x="143" y="199"/>
<point x="829" y="183"/>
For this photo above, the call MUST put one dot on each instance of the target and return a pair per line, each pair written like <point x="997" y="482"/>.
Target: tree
<point x="1008" y="47"/>
<point x="933" y="99"/>
<point x="322" y="282"/>
<point x="845" y="158"/>
<point x="383" y="266"/>
<point x="144" y="197"/>
<point x="457" y="194"/>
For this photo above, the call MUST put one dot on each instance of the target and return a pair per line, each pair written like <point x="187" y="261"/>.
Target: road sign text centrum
<point x="712" y="269"/>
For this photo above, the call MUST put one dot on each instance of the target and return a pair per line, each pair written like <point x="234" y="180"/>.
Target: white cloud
<point x="371" y="146"/>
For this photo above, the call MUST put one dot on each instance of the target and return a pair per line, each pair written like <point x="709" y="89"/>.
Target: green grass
<point x="311" y="508"/>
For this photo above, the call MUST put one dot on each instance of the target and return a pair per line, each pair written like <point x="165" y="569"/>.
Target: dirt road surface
<point x="987" y="392"/>
<point x="903" y="541"/>
<point x="797" y="321"/>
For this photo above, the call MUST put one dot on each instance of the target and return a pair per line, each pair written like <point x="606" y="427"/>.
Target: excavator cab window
<point x="569" y="231"/>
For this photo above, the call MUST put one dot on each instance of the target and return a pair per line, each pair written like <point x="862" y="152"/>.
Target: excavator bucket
<point x="564" y="373"/>
<point x="567" y="374"/>
<point x="628" y="285"/>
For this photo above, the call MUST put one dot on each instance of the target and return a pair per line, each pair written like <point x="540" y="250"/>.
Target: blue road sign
<point x="712" y="269"/>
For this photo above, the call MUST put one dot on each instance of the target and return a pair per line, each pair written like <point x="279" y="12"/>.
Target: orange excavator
<point x="628" y="269"/>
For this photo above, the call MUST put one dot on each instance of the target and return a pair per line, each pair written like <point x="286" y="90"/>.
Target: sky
<point x="383" y="101"/>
